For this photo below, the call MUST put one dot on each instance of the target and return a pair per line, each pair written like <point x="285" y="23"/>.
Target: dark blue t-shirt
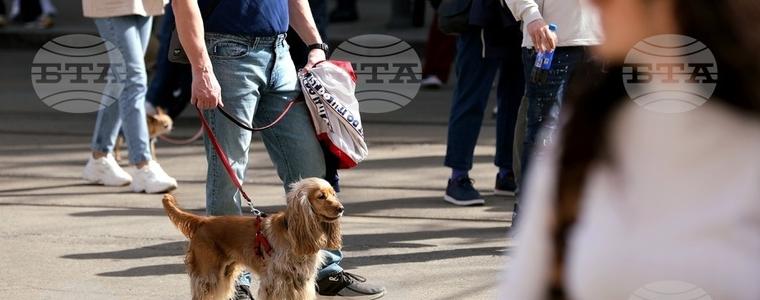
<point x="248" y="17"/>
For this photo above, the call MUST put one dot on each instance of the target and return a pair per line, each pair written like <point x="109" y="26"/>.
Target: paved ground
<point x="61" y="238"/>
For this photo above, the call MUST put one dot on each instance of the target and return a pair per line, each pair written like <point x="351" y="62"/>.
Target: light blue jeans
<point x="258" y="78"/>
<point x="130" y="35"/>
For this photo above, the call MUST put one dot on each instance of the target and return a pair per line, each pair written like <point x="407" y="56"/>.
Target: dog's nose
<point x="341" y="210"/>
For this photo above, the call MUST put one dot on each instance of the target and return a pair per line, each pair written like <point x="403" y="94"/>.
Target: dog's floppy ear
<point x="303" y="228"/>
<point x="333" y="236"/>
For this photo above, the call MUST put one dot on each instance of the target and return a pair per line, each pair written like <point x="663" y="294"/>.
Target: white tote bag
<point x="329" y="92"/>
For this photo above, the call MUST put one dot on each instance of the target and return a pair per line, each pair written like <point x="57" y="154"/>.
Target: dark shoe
<point x="505" y="185"/>
<point x="345" y="285"/>
<point x="461" y="192"/>
<point x="344" y="16"/>
<point x="242" y="292"/>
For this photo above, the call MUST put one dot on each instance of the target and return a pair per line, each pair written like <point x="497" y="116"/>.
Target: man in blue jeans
<point x="239" y="60"/>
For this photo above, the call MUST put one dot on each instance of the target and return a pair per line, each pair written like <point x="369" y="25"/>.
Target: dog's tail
<point x="186" y="222"/>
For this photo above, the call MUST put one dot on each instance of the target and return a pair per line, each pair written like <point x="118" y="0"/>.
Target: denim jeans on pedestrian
<point x="475" y="78"/>
<point x="130" y="35"/>
<point x="258" y="78"/>
<point x="545" y="99"/>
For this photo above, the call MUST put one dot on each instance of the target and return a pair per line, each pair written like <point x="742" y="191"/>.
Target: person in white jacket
<point x="634" y="203"/>
<point x="577" y="29"/>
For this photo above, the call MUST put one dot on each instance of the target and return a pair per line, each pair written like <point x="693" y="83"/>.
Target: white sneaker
<point x="152" y="179"/>
<point x="431" y="82"/>
<point x="105" y="171"/>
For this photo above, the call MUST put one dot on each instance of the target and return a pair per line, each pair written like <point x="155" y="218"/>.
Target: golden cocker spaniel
<point x="220" y="247"/>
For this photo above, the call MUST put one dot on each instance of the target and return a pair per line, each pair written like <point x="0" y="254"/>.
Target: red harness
<point x="261" y="244"/>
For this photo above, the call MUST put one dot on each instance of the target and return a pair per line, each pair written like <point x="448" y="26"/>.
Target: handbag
<point x="329" y="92"/>
<point x="454" y="16"/>
<point x="176" y="52"/>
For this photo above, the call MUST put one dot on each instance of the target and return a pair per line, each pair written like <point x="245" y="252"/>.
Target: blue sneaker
<point x="505" y="185"/>
<point x="461" y="192"/>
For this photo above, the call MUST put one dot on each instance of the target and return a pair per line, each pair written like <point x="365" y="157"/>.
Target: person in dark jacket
<point x="490" y="45"/>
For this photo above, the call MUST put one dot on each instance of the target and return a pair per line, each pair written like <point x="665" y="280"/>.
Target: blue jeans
<point x="130" y="35"/>
<point x="545" y="100"/>
<point x="258" y="78"/>
<point x="476" y="75"/>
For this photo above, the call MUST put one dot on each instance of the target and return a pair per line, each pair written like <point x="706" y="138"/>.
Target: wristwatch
<point x="320" y="46"/>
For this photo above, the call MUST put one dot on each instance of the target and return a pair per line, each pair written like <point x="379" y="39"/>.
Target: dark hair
<point x="726" y="27"/>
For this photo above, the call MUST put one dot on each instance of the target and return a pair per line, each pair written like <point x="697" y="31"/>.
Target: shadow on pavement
<point x="49" y="187"/>
<point x="158" y="250"/>
<point x="167" y="269"/>
<point x="415" y="162"/>
<point x="402" y="240"/>
<point x="422" y="256"/>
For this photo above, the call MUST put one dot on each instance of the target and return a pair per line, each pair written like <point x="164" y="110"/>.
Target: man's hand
<point x="315" y="56"/>
<point x="543" y="38"/>
<point x="206" y="93"/>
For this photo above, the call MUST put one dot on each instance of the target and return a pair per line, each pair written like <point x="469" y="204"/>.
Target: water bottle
<point x="543" y="62"/>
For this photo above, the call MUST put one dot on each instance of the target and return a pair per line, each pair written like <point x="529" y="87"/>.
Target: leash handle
<point x="265" y="127"/>
<point x="223" y="158"/>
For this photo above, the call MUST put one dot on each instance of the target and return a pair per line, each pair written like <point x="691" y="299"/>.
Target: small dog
<point x="158" y="124"/>
<point x="220" y="247"/>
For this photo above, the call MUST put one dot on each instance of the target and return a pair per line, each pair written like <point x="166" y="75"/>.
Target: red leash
<point x="223" y="157"/>
<point x="260" y="242"/>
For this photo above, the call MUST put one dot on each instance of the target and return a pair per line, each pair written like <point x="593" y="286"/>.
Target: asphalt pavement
<point x="61" y="238"/>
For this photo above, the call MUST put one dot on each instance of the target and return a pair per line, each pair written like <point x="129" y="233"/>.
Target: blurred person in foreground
<point x="634" y="200"/>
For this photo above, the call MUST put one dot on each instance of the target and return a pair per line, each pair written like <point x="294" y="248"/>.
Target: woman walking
<point x="127" y="26"/>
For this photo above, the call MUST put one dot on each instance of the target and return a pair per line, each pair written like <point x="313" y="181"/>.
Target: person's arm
<point x="206" y="93"/>
<point x="303" y="23"/>
<point x="528" y="12"/>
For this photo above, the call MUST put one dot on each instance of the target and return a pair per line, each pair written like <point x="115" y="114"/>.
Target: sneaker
<point x="431" y="82"/>
<point x="505" y="185"/>
<point x="242" y="292"/>
<point x="461" y="192"/>
<point x="105" y="171"/>
<point x="345" y="285"/>
<point x="152" y="179"/>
